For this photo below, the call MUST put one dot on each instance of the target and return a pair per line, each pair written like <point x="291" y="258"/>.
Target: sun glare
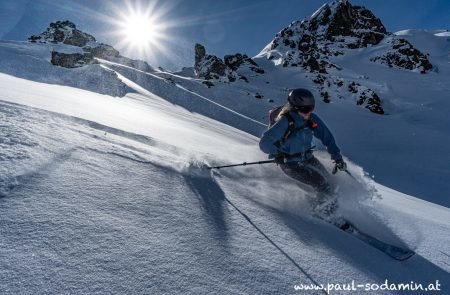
<point x="141" y="28"/>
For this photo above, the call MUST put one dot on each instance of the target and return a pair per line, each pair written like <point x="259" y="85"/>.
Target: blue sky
<point x="224" y="27"/>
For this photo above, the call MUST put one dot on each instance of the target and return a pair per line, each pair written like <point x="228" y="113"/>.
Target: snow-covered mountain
<point x="318" y="43"/>
<point x="102" y="188"/>
<point x="414" y="117"/>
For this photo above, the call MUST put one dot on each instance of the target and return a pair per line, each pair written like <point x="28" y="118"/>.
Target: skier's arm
<point x="270" y="142"/>
<point x="326" y="137"/>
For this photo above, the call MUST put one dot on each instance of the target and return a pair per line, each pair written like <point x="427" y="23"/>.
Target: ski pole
<point x="243" y="164"/>
<point x="351" y="175"/>
<point x="335" y="170"/>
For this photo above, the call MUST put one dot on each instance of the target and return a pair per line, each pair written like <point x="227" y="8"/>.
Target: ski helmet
<point x="301" y="100"/>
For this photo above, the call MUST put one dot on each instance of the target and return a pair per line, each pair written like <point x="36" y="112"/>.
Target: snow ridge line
<point x="185" y="89"/>
<point x="221" y="106"/>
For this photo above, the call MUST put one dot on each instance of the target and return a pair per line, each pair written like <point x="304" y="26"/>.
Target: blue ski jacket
<point x="299" y="144"/>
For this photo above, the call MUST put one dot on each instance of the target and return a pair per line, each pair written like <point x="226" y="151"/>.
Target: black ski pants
<point x="310" y="172"/>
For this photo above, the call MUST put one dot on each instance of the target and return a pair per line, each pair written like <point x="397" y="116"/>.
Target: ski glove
<point x="280" y="158"/>
<point x="339" y="165"/>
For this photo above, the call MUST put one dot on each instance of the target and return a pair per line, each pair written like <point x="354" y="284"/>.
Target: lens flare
<point x="141" y="28"/>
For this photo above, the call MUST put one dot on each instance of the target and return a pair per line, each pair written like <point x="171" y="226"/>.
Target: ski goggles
<point x="304" y="109"/>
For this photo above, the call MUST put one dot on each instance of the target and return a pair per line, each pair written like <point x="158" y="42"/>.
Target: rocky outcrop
<point x="310" y="43"/>
<point x="343" y="88"/>
<point x="65" y="32"/>
<point x="350" y="21"/>
<point x="230" y="69"/>
<point x="234" y="62"/>
<point x="403" y="55"/>
<point x="71" y="60"/>
<point x="208" y="66"/>
<point x="367" y="97"/>
<point x="102" y="51"/>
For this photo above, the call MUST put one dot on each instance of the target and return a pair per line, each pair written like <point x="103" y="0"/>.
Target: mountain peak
<point x="334" y="26"/>
<point x="64" y="32"/>
<point x="335" y="29"/>
<point x="354" y="21"/>
<point x="339" y="19"/>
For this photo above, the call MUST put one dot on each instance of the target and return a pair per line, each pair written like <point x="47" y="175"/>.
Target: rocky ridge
<point x="65" y="32"/>
<point x="403" y="55"/>
<point x="229" y="69"/>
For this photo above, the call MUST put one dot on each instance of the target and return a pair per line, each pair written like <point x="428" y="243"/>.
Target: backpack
<point x="273" y="114"/>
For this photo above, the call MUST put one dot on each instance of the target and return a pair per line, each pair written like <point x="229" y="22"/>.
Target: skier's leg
<point x="314" y="162"/>
<point x="308" y="172"/>
<point x="326" y="203"/>
<point x="305" y="172"/>
<point x="323" y="184"/>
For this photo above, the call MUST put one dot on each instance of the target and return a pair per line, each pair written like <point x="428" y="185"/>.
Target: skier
<point x="289" y="142"/>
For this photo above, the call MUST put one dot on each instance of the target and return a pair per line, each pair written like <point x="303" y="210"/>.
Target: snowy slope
<point x="101" y="194"/>
<point x="406" y="149"/>
<point x="411" y="139"/>
<point x="416" y="118"/>
<point x="32" y="61"/>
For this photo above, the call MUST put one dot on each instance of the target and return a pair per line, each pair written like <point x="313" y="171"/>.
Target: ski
<point x="395" y="252"/>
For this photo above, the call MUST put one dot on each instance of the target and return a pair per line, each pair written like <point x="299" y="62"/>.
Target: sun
<point x="140" y="30"/>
